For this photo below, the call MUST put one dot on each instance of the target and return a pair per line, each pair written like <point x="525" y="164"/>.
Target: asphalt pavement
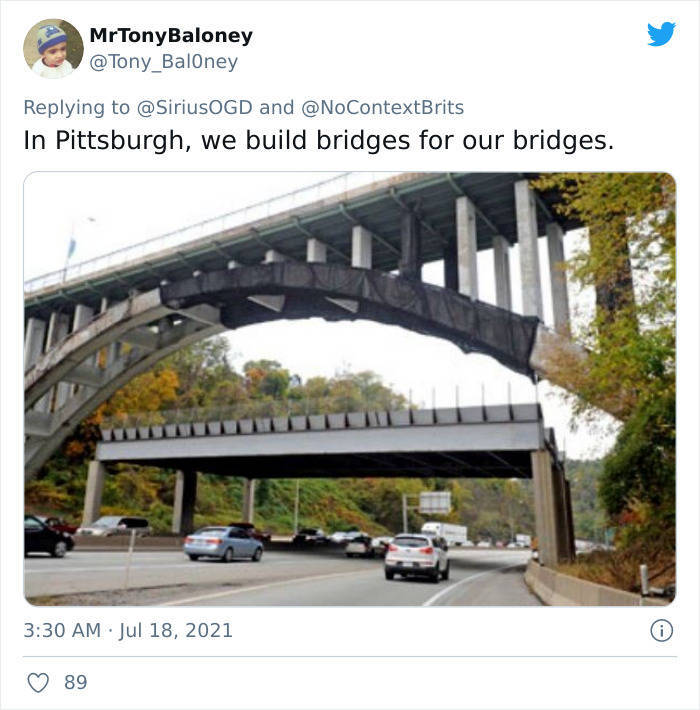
<point x="282" y="578"/>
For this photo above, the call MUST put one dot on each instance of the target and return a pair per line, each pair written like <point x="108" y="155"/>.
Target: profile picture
<point x="53" y="48"/>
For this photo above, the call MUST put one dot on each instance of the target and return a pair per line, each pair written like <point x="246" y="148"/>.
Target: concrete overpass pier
<point x="248" y="507"/>
<point x="184" y="502"/>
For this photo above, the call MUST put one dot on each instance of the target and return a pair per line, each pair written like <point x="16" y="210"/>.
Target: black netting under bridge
<point x="336" y="292"/>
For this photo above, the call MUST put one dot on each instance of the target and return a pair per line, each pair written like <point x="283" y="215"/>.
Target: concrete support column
<point x="81" y="317"/>
<point x="33" y="347"/>
<point x="569" y="521"/>
<point x="272" y="256"/>
<point x="539" y="460"/>
<point x="557" y="275"/>
<point x="561" y="523"/>
<point x="410" y="265"/>
<point x="450" y="264"/>
<point x="526" y="216"/>
<point x="93" y="492"/>
<point x="315" y="251"/>
<point x="59" y="325"/>
<point x="111" y="352"/>
<point x="501" y="268"/>
<point x="466" y="247"/>
<point x="552" y="516"/>
<point x="545" y="525"/>
<point x="248" y="512"/>
<point x="184" y="501"/>
<point x="33" y="341"/>
<point x="361" y="247"/>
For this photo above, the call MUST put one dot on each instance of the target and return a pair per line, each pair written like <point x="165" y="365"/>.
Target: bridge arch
<point x="288" y="291"/>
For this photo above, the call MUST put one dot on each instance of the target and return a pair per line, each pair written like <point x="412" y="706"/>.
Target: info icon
<point x="661" y="630"/>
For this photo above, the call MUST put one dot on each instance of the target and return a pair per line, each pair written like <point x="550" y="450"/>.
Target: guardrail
<point x="257" y="409"/>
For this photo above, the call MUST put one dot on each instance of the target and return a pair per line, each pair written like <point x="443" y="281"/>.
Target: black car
<point x="310" y="536"/>
<point x="39" y="537"/>
<point x="252" y="531"/>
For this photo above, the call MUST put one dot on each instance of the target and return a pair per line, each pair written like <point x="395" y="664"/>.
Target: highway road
<point x="282" y="578"/>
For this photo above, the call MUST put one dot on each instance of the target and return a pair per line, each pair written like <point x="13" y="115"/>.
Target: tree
<point x="589" y="513"/>
<point x="631" y="369"/>
<point x="204" y="374"/>
<point x="630" y="263"/>
<point x="642" y="464"/>
<point x="267" y="379"/>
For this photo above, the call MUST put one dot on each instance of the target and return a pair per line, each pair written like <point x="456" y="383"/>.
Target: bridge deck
<point x="475" y="442"/>
<point x="377" y="206"/>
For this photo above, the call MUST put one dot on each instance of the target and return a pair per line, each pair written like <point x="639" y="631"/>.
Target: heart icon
<point x="38" y="681"/>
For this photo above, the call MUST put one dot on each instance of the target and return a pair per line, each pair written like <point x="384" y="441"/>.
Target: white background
<point x="580" y="67"/>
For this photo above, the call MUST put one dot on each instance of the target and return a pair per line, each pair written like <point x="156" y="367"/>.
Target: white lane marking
<point x="110" y="568"/>
<point x="447" y="590"/>
<point x="89" y="556"/>
<point x="257" y="587"/>
<point x="118" y="566"/>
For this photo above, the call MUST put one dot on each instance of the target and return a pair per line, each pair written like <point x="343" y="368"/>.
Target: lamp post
<point x="72" y="244"/>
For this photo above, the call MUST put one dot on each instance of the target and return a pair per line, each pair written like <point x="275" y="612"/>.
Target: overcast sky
<point x="110" y="211"/>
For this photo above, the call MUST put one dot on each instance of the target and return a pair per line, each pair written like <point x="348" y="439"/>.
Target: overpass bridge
<point x="494" y="441"/>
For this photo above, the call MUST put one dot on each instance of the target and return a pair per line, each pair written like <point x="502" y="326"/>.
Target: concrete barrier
<point x="164" y="543"/>
<point x="557" y="589"/>
<point x="97" y="543"/>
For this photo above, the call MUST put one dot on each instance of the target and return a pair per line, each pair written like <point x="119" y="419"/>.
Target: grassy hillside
<point x="492" y="509"/>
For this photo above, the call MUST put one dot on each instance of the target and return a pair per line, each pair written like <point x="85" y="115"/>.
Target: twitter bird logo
<point x="661" y="35"/>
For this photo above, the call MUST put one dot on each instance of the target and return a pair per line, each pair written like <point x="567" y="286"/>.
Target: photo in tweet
<point x="354" y="390"/>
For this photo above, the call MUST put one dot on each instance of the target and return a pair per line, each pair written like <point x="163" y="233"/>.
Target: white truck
<point x="454" y="534"/>
<point x="523" y="540"/>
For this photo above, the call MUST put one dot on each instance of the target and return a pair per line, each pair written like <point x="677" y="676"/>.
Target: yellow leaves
<point x="137" y="487"/>
<point x="43" y="496"/>
<point x="150" y="392"/>
<point x="630" y="262"/>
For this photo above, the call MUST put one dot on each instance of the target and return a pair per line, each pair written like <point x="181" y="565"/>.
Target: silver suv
<point x="417" y="555"/>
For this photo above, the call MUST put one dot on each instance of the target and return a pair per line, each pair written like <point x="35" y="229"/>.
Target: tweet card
<point x="340" y="355"/>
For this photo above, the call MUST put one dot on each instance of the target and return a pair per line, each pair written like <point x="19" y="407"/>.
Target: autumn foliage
<point x="630" y="265"/>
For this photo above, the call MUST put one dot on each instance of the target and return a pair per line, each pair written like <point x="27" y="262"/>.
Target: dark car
<point x="109" y="525"/>
<point x="39" y="537"/>
<point x="57" y="524"/>
<point x="310" y="536"/>
<point x="253" y="531"/>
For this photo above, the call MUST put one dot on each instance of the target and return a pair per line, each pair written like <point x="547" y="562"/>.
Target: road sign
<point x="435" y="502"/>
